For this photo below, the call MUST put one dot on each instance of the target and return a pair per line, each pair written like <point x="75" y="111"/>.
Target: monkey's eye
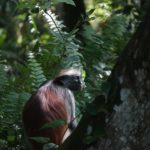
<point x="76" y="78"/>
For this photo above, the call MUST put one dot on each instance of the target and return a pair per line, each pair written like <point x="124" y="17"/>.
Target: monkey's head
<point x="70" y="78"/>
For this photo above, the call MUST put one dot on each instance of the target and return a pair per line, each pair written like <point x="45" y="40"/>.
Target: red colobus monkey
<point x="52" y="101"/>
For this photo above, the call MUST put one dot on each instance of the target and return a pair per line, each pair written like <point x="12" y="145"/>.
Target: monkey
<point x="53" y="100"/>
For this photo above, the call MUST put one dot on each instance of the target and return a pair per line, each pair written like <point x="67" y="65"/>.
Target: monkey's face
<point x="72" y="82"/>
<point x="75" y="83"/>
<point x="70" y="78"/>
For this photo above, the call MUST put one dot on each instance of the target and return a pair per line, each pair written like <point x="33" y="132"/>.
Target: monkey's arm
<point x="73" y="125"/>
<point x="73" y="122"/>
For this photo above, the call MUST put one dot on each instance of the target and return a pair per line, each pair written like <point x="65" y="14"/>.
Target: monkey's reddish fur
<point x="44" y="106"/>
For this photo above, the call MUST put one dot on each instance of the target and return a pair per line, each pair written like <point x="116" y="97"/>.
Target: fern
<point x="10" y="102"/>
<point x="116" y="28"/>
<point x="11" y="112"/>
<point x="66" y="47"/>
<point x="37" y="74"/>
<point x="3" y="79"/>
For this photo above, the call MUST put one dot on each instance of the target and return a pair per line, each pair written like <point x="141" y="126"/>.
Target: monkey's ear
<point x="61" y="80"/>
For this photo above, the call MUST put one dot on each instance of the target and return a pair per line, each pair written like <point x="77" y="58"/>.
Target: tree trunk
<point x="72" y="16"/>
<point x="128" y="103"/>
<point x="129" y="96"/>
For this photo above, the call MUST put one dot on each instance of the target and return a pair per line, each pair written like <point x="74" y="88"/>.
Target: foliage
<point x="54" y="124"/>
<point x="34" y="47"/>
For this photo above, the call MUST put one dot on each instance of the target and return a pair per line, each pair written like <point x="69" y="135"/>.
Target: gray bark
<point x="129" y="96"/>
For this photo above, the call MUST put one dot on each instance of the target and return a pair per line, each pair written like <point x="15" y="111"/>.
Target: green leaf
<point x="49" y="146"/>
<point x="70" y="2"/>
<point x="91" y="18"/>
<point x="54" y="124"/>
<point x="90" y="12"/>
<point x="10" y="138"/>
<point x="41" y="140"/>
<point x="83" y="74"/>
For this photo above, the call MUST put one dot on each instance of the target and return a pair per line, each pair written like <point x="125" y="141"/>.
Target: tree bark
<point x="129" y="96"/>
<point x="128" y="102"/>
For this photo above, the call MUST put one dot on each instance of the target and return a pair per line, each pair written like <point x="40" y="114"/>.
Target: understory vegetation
<point x="34" y="47"/>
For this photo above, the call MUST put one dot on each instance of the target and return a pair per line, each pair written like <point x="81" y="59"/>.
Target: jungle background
<point x="35" y="45"/>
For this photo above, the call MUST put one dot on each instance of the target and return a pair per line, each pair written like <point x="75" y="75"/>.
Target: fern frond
<point x="10" y="108"/>
<point x="67" y="47"/>
<point x="3" y="79"/>
<point x="37" y="74"/>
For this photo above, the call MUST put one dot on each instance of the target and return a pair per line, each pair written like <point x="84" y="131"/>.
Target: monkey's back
<point x="45" y="106"/>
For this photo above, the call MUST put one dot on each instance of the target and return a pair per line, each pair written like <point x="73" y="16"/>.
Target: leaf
<point x="70" y="2"/>
<point x="88" y="139"/>
<point x="91" y="18"/>
<point x="105" y="87"/>
<point x="94" y="109"/>
<point x="10" y="138"/>
<point x="49" y="146"/>
<point x="26" y="4"/>
<point x="54" y="124"/>
<point x="90" y="12"/>
<point x="41" y="140"/>
<point x="83" y="74"/>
